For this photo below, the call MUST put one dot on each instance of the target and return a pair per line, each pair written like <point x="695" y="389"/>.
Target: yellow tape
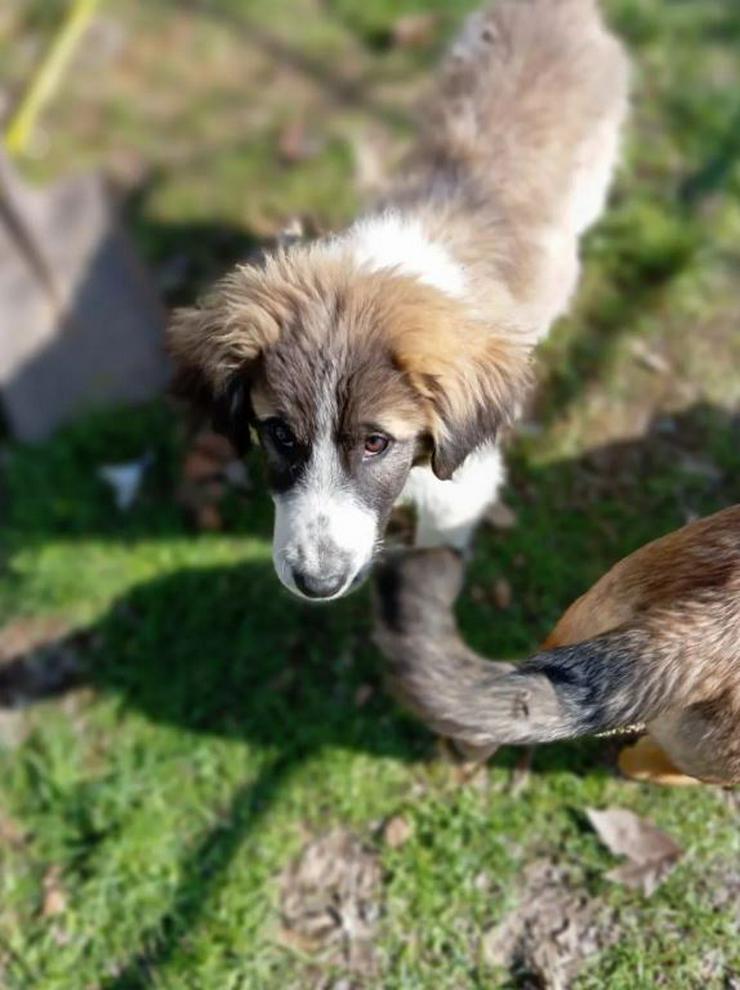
<point x="48" y="75"/>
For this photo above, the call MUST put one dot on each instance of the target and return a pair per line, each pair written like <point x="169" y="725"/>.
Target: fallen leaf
<point x="372" y="156"/>
<point x="415" y="30"/>
<point x="296" y="143"/>
<point x="520" y="775"/>
<point x="501" y="593"/>
<point x="651" y="854"/>
<point x="502" y="516"/>
<point x="650" y="359"/>
<point x="125" y="480"/>
<point x="397" y="831"/>
<point x="209" y="467"/>
<point x="54" y="900"/>
<point x="22" y="636"/>
<point x="11" y="832"/>
<point x="208" y="518"/>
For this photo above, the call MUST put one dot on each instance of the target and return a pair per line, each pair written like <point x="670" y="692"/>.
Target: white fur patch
<point x="307" y="522"/>
<point x="448" y="511"/>
<point x="321" y="529"/>
<point x="390" y="240"/>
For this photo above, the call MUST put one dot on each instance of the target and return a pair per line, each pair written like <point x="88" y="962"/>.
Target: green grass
<point x="218" y="719"/>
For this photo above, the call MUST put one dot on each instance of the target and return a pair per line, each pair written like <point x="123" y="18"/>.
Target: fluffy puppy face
<point x="348" y="377"/>
<point x="339" y="429"/>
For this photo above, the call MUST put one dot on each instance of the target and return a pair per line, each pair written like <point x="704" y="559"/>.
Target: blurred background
<point x="174" y="729"/>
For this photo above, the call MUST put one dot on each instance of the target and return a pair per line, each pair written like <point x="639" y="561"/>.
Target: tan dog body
<point x="656" y="641"/>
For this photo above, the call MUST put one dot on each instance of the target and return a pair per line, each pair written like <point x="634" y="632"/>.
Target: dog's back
<point x="519" y="139"/>
<point x="530" y="102"/>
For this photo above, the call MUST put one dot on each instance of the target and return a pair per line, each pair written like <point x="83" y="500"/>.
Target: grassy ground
<point x="146" y="816"/>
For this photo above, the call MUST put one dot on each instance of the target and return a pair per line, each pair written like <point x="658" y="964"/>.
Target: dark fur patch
<point x="595" y="680"/>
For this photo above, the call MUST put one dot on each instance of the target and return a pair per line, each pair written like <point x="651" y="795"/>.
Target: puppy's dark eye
<point x="282" y="435"/>
<point x="375" y="443"/>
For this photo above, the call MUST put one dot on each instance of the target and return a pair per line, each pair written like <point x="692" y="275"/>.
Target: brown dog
<point x="655" y="642"/>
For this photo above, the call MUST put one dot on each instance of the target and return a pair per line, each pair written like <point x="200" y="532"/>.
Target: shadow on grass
<point x="221" y="650"/>
<point x="339" y="86"/>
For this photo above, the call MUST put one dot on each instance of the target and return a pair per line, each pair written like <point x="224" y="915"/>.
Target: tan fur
<point x="522" y="121"/>
<point x="526" y="129"/>
<point x="685" y="590"/>
<point x="452" y="361"/>
<point x="655" y="641"/>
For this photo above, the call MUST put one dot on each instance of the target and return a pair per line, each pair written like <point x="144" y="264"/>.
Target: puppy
<point x="655" y="643"/>
<point x="378" y="364"/>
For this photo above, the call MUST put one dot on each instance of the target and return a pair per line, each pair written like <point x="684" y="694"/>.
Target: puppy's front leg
<point x="448" y="511"/>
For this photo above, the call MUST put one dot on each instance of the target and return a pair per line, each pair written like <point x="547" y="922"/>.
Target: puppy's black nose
<point x="318" y="585"/>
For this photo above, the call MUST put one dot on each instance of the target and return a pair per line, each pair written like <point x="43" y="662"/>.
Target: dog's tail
<point x="618" y="679"/>
<point x="529" y="103"/>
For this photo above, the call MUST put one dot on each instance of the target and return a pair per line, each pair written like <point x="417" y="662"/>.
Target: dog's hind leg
<point x="647" y="762"/>
<point x="449" y="511"/>
<point x="702" y="740"/>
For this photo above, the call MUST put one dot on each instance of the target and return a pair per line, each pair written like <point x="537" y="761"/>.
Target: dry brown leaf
<point x="296" y="143"/>
<point x="397" y="831"/>
<point x="501" y="516"/>
<point x="520" y="775"/>
<point x="651" y="854"/>
<point x="650" y="359"/>
<point x="208" y="518"/>
<point x="54" y="901"/>
<point x="415" y="30"/>
<point x="22" y="636"/>
<point x="12" y="832"/>
<point x="501" y="593"/>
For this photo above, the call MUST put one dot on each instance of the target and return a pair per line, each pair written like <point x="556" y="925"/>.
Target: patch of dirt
<point x="556" y="928"/>
<point x="24" y="635"/>
<point x="38" y="658"/>
<point x="330" y="903"/>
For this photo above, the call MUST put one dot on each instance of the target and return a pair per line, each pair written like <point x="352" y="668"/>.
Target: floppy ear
<point x="472" y="380"/>
<point x="228" y="408"/>
<point x="215" y="347"/>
